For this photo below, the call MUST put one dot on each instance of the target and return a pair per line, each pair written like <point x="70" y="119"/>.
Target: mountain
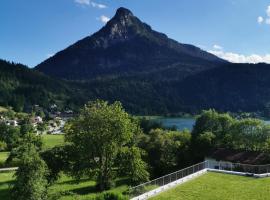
<point x="152" y="74"/>
<point x="21" y="87"/>
<point x="149" y="73"/>
<point x="126" y="46"/>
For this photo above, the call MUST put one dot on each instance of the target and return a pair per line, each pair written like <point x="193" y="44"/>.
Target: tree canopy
<point x="101" y="135"/>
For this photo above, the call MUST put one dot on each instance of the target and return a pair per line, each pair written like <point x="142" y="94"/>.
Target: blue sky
<point x="238" y="30"/>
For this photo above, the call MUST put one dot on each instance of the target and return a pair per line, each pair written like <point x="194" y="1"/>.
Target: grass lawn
<point x="3" y="109"/>
<point x="49" y="142"/>
<point x="66" y="187"/>
<point x="52" y="140"/>
<point x="215" y="186"/>
<point x="3" y="156"/>
<point x="5" y="180"/>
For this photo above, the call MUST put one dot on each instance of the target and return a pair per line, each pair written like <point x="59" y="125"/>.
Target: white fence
<point x="153" y="185"/>
<point x="158" y="185"/>
<point x="8" y="169"/>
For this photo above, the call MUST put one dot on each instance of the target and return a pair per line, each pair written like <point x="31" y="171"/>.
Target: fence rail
<point x="8" y="169"/>
<point x="243" y="169"/>
<point x="164" y="180"/>
<point x="238" y="167"/>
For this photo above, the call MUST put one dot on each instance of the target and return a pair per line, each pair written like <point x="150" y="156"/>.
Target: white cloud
<point x="83" y="2"/>
<point x="268" y="11"/>
<point x="240" y="58"/>
<point x="266" y="19"/>
<point x="260" y="20"/>
<point x="91" y="3"/>
<point x="97" y="5"/>
<point x="104" y="19"/>
<point x="217" y="47"/>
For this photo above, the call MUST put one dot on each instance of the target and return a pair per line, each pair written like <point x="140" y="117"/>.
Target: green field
<point x="215" y="186"/>
<point x="3" y="109"/>
<point x="65" y="189"/>
<point x="48" y="140"/>
<point x="52" y="140"/>
<point x="3" y="156"/>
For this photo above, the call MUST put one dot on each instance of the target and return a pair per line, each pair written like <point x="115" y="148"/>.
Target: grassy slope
<point x="213" y="186"/>
<point x="67" y="187"/>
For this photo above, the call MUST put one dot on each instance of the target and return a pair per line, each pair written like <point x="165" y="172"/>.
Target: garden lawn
<point x="3" y="157"/>
<point x="5" y="180"/>
<point x="52" y="140"/>
<point x="216" y="186"/>
<point x="64" y="189"/>
<point x="48" y="140"/>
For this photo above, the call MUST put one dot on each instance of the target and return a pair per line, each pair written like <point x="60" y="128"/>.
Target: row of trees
<point x="214" y="130"/>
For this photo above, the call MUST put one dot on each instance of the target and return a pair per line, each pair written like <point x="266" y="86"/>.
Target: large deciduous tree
<point x="101" y="137"/>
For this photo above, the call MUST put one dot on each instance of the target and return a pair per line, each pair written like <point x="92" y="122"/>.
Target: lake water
<point x="183" y="123"/>
<point x="180" y="123"/>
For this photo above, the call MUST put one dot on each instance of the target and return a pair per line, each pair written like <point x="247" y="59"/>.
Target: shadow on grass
<point x="89" y="189"/>
<point x="84" y="190"/>
<point x="122" y="181"/>
<point x="72" y="182"/>
<point x="6" y="183"/>
<point x="5" y="194"/>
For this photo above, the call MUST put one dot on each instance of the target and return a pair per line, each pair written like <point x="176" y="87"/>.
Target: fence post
<point x="163" y="181"/>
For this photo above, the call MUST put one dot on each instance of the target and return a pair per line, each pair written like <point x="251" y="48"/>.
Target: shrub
<point x="111" y="196"/>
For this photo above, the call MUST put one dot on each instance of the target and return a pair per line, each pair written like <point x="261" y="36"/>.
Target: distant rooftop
<point x="240" y="156"/>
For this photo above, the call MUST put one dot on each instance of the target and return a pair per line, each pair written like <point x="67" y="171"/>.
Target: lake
<point x="182" y="123"/>
<point x="179" y="123"/>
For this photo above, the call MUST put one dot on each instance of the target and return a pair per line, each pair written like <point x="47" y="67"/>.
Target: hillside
<point x="230" y="87"/>
<point x="21" y="87"/>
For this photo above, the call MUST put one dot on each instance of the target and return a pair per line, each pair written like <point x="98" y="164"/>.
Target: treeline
<point x="161" y="93"/>
<point x="168" y="150"/>
<point x="21" y="88"/>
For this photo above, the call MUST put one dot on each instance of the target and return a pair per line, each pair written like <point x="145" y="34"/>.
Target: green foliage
<point x="132" y="165"/>
<point x="110" y="196"/>
<point x="26" y="126"/>
<point x="214" y="130"/>
<point x="147" y="125"/>
<point x="203" y="144"/>
<point x="97" y="136"/>
<point x="8" y="135"/>
<point x="21" y="87"/>
<point x="30" y="183"/>
<point x="166" y="150"/>
<point x="57" y="160"/>
<point x="22" y="145"/>
<point x="3" y="146"/>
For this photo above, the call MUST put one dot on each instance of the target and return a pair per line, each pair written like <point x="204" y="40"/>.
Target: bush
<point x="111" y="196"/>
<point x="3" y="146"/>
